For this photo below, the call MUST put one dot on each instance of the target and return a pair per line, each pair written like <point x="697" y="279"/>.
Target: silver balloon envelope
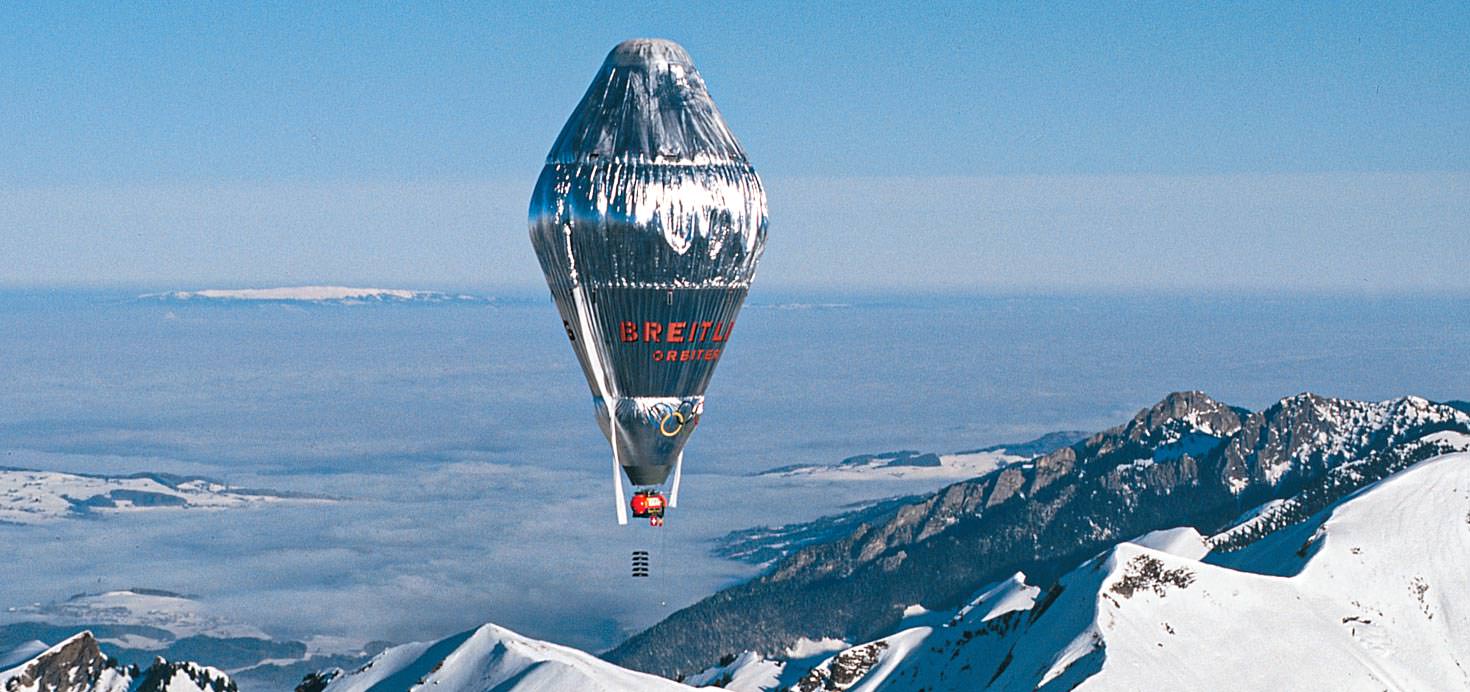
<point x="648" y="221"/>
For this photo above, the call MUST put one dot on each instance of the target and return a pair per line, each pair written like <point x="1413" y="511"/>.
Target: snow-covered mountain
<point x="136" y="626"/>
<point x="487" y="658"/>
<point x="1369" y="594"/>
<point x="1318" y="544"/>
<point x="315" y="294"/>
<point x="36" y="497"/>
<point x="905" y="464"/>
<point x="77" y="665"/>
<point x="1186" y="461"/>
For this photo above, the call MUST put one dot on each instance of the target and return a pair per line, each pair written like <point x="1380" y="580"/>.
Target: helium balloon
<point x="648" y="221"/>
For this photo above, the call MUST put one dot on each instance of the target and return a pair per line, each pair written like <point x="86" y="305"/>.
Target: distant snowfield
<point x="180" y="615"/>
<point x="316" y="294"/>
<point x="913" y="465"/>
<point x="905" y="466"/>
<point x="38" y="497"/>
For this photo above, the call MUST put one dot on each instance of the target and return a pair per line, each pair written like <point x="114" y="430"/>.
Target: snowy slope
<point x="20" y="653"/>
<point x="493" y="658"/>
<point x="748" y="672"/>
<point x="1370" y="594"/>
<point x="36" y="497"/>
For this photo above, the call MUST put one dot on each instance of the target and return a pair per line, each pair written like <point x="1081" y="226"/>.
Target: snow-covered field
<point x="905" y="466"/>
<point x="35" y="497"/>
<point x="178" y="614"/>
<point x="314" y="294"/>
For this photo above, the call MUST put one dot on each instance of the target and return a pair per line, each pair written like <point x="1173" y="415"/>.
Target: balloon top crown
<point x="648" y="52"/>
<point x="647" y="105"/>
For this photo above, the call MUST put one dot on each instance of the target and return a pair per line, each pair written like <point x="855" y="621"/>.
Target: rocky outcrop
<point x="78" y="665"/>
<point x="843" y="670"/>
<point x="74" y="665"/>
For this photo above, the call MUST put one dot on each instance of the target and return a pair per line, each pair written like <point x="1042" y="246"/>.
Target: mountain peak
<point x="488" y="657"/>
<point x="1195" y="410"/>
<point x="1306" y="434"/>
<point x="164" y="676"/>
<point x="74" y="665"/>
<point x="77" y="664"/>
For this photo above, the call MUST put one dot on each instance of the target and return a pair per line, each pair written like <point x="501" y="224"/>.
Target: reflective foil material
<point x="648" y="221"/>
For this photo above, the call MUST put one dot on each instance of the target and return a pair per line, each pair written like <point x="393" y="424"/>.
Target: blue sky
<point x="971" y="146"/>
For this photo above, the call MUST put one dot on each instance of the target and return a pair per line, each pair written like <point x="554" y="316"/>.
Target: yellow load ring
<point x="663" y="425"/>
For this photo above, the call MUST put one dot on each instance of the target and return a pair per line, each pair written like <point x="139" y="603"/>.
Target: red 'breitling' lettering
<point x="674" y="332"/>
<point x="630" y="332"/>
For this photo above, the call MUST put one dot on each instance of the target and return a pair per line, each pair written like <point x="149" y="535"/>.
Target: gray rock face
<point x="78" y="665"/>
<point x="845" y="669"/>
<point x="75" y="665"/>
<point x="1187" y="460"/>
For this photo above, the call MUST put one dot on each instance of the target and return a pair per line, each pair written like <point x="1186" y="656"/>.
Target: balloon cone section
<point x="648" y="221"/>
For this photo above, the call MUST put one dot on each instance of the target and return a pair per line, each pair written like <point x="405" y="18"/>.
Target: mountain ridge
<point x="77" y="664"/>
<point x="1164" y="612"/>
<point x="1167" y="609"/>
<point x="1188" y="460"/>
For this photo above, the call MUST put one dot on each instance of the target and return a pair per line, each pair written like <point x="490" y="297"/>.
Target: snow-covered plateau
<point x="315" y="294"/>
<point x="37" y="497"/>
<point x="909" y="464"/>
<point x="139" y="612"/>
